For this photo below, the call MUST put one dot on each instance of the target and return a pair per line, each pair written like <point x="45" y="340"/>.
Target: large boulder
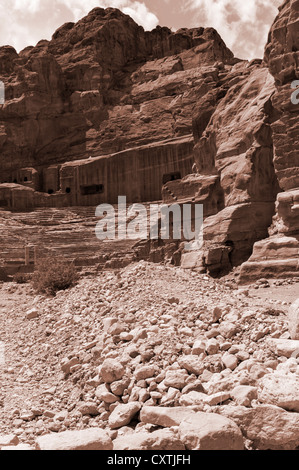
<point x="123" y="414"/>
<point x="280" y="389"/>
<point x="164" y="416"/>
<point x="163" y="439"/>
<point x="268" y="427"/>
<point x="208" y="431"/>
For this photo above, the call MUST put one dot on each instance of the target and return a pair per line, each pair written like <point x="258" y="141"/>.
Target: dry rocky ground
<point x="171" y="358"/>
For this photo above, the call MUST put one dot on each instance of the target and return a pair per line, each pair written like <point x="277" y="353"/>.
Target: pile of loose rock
<point x="171" y="359"/>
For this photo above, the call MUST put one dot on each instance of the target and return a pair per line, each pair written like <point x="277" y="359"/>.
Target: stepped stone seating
<point x="67" y="232"/>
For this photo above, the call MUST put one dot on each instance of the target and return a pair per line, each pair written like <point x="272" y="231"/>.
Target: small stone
<point x="116" y="329"/>
<point x="226" y="346"/>
<point x="32" y="314"/>
<point x="230" y="361"/>
<point x="198" y="347"/>
<point x="37" y="411"/>
<point x="244" y="394"/>
<point x="118" y="387"/>
<point x="195" y="386"/>
<point x="227" y="329"/>
<point x="217" y="314"/>
<point x="108" y="322"/>
<point x="192" y="364"/>
<point x="206" y="376"/>
<point x="61" y="416"/>
<point x="124" y="336"/>
<point x="242" y="355"/>
<point x="212" y="347"/>
<point x="67" y="364"/>
<point x="123" y="415"/>
<point x="156" y="395"/>
<point x="217" y="398"/>
<point x="139" y="333"/>
<point x="90" y="345"/>
<point x="212" y="333"/>
<point x="176" y="378"/>
<point x="27" y="416"/>
<point x="112" y="370"/>
<point x="145" y="372"/>
<point x="48" y="414"/>
<point x="257" y="371"/>
<point x="144" y="395"/>
<point x="88" y="409"/>
<point x="105" y="395"/>
<point x="171" y="395"/>
<point x="55" y="427"/>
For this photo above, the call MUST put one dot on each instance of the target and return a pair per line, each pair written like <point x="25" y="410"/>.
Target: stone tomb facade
<point x="138" y="174"/>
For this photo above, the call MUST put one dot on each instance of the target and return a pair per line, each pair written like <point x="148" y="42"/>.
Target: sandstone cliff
<point x="101" y="86"/>
<point x="105" y="108"/>
<point x="279" y="254"/>
<point x="248" y="142"/>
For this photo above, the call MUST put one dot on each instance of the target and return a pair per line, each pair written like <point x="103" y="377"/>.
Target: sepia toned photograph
<point x="149" y="228"/>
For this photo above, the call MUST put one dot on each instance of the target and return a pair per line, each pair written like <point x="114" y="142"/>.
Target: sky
<point x="242" y="24"/>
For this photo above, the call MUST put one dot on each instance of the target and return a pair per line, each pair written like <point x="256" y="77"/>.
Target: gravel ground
<point x="205" y="335"/>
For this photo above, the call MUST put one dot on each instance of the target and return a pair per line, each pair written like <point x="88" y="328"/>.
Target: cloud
<point x="242" y="24"/>
<point x="28" y="21"/>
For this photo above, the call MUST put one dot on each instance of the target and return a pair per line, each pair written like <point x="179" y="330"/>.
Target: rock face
<point x="105" y="109"/>
<point x="279" y="255"/>
<point x="244" y="165"/>
<point x="100" y="87"/>
<point x="247" y="142"/>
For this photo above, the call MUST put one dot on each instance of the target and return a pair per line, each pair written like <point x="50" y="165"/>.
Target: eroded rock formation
<point x="248" y="141"/>
<point x="105" y="108"/>
<point x="100" y="87"/>
<point x="279" y="254"/>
